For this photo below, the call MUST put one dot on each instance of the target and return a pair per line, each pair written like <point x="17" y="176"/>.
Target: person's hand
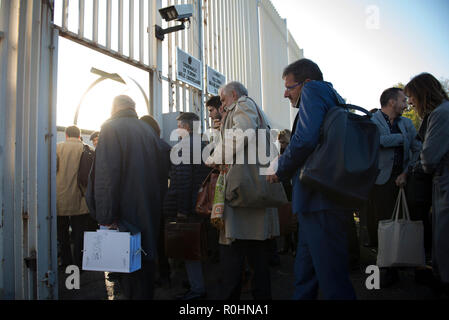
<point x="273" y="178"/>
<point x="216" y="124"/>
<point x="181" y="216"/>
<point x="401" y="180"/>
<point x="211" y="163"/>
<point x="112" y="226"/>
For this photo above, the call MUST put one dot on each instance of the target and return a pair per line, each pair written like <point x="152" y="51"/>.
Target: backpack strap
<point x="343" y="104"/>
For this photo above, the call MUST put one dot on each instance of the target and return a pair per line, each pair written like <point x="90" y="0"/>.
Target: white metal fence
<point x="246" y="40"/>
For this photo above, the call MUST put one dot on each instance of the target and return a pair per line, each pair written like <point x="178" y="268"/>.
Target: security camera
<point x="179" y="12"/>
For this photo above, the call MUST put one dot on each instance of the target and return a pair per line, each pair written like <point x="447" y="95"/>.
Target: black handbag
<point x="344" y="165"/>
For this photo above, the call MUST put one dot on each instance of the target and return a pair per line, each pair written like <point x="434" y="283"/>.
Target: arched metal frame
<point x="114" y="77"/>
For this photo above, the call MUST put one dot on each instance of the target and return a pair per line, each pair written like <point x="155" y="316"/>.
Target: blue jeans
<point x="195" y="273"/>
<point x="322" y="256"/>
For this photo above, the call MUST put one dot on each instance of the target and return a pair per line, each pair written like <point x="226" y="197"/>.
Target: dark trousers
<point x="384" y="197"/>
<point x="322" y="256"/>
<point x="232" y="260"/>
<point x="419" y="199"/>
<point x="368" y="223"/>
<point x="164" y="270"/>
<point x="78" y="224"/>
<point x="139" y="285"/>
<point x="353" y="243"/>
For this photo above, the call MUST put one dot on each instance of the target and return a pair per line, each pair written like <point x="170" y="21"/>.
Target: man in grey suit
<point x="399" y="150"/>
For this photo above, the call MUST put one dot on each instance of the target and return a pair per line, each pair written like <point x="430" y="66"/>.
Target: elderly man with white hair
<point x="126" y="187"/>
<point x="247" y="230"/>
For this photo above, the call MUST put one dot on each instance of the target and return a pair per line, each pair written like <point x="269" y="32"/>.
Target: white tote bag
<point x="401" y="241"/>
<point x="112" y="251"/>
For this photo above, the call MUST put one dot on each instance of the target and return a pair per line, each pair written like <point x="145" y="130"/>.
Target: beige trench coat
<point x="245" y="223"/>
<point x="70" y="201"/>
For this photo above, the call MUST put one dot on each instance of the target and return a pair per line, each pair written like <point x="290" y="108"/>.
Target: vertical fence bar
<point x="220" y="36"/>
<point x="81" y="19"/>
<point x="210" y="33"/>
<point x="131" y="29"/>
<point x="141" y="30"/>
<point x="170" y="65"/>
<point x="242" y="38"/>
<point x="33" y="189"/>
<point x="120" y="26"/>
<point x="176" y="66"/>
<point x="65" y="14"/>
<point x="152" y="42"/>
<point x="108" y="23"/>
<point x="183" y="46"/>
<point x="19" y="148"/>
<point x="95" y="21"/>
<point x="236" y="61"/>
<point x="214" y="34"/>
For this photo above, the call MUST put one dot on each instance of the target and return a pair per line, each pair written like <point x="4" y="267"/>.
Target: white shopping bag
<point x="111" y="251"/>
<point x="401" y="241"/>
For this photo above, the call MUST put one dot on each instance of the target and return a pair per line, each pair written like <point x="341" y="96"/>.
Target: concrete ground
<point x="94" y="286"/>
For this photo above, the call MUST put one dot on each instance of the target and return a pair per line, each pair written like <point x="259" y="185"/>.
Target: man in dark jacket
<point x="185" y="181"/>
<point x="322" y="253"/>
<point x="129" y="173"/>
<point x="164" y="270"/>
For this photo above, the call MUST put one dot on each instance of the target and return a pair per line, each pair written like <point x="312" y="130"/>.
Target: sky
<point x="366" y="46"/>
<point x="362" y="46"/>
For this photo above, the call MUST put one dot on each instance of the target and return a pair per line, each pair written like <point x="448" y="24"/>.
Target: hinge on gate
<point x="49" y="279"/>
<point x="2" y="35"/>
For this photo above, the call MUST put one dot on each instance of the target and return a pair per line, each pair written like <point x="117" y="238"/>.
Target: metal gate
<point x="28" y="45"/>
<point x="238" y="38"/>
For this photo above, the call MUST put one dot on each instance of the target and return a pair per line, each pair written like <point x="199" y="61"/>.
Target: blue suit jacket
<point x="317" y="98"/>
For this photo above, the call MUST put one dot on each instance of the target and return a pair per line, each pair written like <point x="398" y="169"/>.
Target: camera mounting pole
<point x="161" y="32"/>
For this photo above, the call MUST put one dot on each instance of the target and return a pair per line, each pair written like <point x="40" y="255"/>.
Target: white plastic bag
<point x="401" y="241"/>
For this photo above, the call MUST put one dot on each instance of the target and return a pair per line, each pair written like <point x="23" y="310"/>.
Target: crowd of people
<point x="135" y="186"/>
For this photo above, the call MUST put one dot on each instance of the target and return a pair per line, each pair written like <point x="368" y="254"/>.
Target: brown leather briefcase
<point x="287" y="221"/>
<point x="206" y="194"/>
<point x="185" y="240"/>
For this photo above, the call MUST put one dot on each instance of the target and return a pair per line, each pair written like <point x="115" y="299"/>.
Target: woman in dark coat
<point x="428" y="97"/>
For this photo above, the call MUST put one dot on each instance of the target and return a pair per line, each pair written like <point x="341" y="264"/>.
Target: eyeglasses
<point x="293" y="86"/>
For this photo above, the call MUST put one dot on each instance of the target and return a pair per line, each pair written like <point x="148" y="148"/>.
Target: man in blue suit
<point x="399" y="150"/>
<point x="322" y="253"/>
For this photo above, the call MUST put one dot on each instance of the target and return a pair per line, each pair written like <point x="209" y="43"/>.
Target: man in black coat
<point x="129" y="175"/>
<point x="186" y="179"/>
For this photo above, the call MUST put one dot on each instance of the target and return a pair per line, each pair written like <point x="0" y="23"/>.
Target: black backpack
<point x="86" y="162"/>
<point x="344" y="165"/>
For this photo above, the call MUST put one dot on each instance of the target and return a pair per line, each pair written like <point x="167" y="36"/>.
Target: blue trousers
<point x="322" y="256"/>
<point x="195" y="274"/>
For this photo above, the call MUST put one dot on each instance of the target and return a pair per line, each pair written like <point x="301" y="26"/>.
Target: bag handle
<point x="346" y="106"/>
<point x="261" y="118"/>
<point x="401" y="202"/>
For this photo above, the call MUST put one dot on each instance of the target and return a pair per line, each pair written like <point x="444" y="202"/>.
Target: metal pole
<point x="200" y="53"/>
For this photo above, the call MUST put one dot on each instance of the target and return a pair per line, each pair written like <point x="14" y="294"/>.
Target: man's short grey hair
<point x="239" y="88"/>
<point x="122" y="102"/>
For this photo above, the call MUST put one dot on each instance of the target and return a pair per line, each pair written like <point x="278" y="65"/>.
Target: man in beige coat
<point x="71" y="206"/>
<point x="247" y="231"/>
